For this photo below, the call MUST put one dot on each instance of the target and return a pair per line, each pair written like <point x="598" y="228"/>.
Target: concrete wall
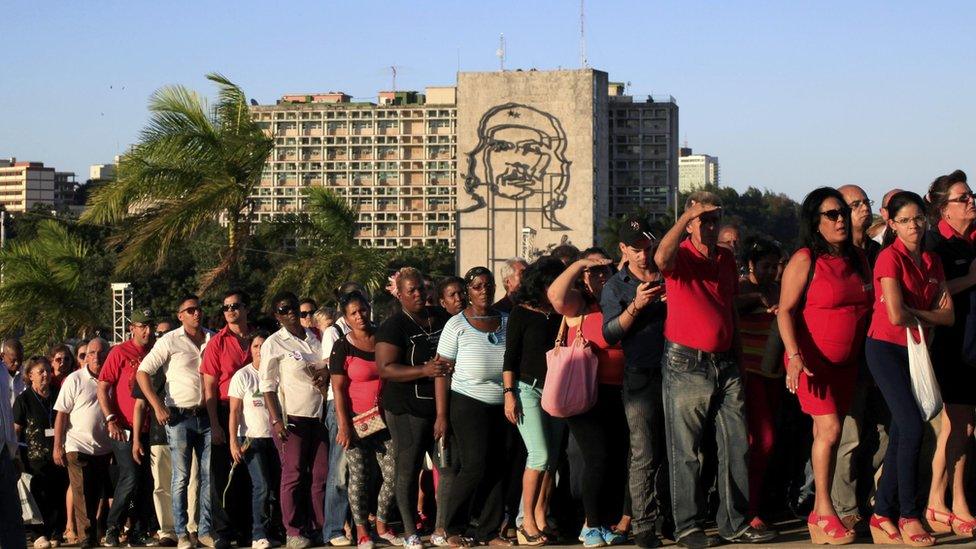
<point x="532" y="154"/>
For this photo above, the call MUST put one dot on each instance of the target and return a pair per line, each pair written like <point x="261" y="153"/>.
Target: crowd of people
<point x="734" y="382"/>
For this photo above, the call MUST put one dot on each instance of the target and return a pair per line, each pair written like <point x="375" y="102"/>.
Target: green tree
<point x="47" y="289"/>
<point x="194" y="164"/>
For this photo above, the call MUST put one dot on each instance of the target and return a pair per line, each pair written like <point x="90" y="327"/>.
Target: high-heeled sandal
<point x="524" y="538"/>
<point x="879" y="535"/>
<point x="952" y="523"/>
<point x="915" y="540"/>
<point x="828" y="530"/>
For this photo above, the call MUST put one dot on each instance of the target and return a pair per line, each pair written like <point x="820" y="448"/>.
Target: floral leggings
<point x="379" y="447"/>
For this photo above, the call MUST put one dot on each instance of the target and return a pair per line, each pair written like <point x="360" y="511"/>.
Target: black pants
<point x="601" y="434"/>
<point x="230" y="521"/>
<point x="412" y="437"/>
<point x="11" y="523"/>
<point x="475" y="428"/>
<point x="48" y="485"/>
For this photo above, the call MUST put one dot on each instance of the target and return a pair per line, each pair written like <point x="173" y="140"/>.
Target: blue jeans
<point x="129" y="490"/>
<point x="542" y="433"/>
<point x="336" y="498"/>
<point x="647" y="477"/>
<point x="188" y="435"/>
<point x="698" y="387"/>
<point x="260" y="458"/>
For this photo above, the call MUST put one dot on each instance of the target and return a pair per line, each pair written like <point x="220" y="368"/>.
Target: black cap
<point x="634" y="231"/>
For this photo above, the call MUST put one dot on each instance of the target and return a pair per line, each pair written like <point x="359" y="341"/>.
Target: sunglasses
<point x="835" y="214"/>
<point x="191" y="311"/>
<point x="306" y="314"/>
<point x="285" y="310"/>
<point x="963" y="198"/>
<point x="232" y="306"/>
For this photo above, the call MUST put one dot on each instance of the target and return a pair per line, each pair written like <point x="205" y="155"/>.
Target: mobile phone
<point x="653" y="284"/>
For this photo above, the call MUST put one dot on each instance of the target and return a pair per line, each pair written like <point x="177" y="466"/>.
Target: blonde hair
<point x="325" y="313"/>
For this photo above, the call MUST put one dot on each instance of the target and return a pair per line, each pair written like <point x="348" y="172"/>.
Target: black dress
<point x="956" y="379"/>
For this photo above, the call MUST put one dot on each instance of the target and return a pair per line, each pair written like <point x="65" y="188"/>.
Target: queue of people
<point x="337" y="429"/>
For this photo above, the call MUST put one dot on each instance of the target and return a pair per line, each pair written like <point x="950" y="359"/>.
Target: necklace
<point x="541" y="312"/>
<point x="414" y="320"/>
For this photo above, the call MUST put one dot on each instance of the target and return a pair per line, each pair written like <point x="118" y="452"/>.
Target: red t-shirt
<point x="610" y="358"/>
<point x="222" y="357"/>
<point x="700" y="294"/>
<point x="360" y="367"/>
<point x="119" y="370"/>
<point x="920" y="285"/>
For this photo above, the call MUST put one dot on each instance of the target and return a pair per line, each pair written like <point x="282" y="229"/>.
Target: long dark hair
<point x="811" y="238"/>
<point x="895" y="203"/>
<point x="535" y="278"/>
<point x="938" y="195"/>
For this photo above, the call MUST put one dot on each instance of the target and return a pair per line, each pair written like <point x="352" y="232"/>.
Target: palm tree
<point x="194" y="163"/>
<point x="326" y="254"/>
<point x="43" y="291"/>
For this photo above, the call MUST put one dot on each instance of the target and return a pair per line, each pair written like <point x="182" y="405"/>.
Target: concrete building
<point x="643" y="153"/>
<point x="103" y="172"/>
<point x="25" y="184"/>
<point x="394" y="161"/>
<point x="696" y="170"/>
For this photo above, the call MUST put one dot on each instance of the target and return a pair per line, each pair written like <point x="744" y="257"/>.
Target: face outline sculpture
<point x="520" y="154"/>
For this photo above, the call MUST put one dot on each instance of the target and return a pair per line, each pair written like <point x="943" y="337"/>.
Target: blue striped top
<point x="478" y="358"/>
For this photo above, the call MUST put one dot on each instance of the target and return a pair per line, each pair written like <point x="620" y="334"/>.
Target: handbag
<point x="368" y="423"/>
<point x="925" y="388"/>
<point x="570" y="387"/>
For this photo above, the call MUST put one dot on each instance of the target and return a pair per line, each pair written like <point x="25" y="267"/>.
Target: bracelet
<point x="794" y="355"/>
<point x="508" y="390"/>
<point x="110" y="418"/>
<point x="627" y="310"/>
<point x="275" y="422"/>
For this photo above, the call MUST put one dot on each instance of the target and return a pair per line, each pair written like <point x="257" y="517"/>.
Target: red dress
<point x="830" y="333"/>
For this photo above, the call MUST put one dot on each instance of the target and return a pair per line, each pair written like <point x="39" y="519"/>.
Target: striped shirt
<point x="478" y="358"/>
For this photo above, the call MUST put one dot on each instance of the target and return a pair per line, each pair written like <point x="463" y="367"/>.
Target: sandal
<point x="952" y="523"/>
<point x="458" y="541"/>
<point x="879" y="535"/>
<point x="828" y="530"/>
<point x="500" y="542"/>
<point x="915" y="540"/>
<point x="524" y="538"/>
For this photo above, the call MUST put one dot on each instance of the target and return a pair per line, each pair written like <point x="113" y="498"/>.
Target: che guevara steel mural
<point x="521" y="154"/>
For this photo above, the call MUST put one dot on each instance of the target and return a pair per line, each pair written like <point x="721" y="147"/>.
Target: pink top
<point x="360" y="367"/>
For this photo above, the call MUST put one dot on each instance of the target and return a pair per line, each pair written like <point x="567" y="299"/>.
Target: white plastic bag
<point x="924" y="386"/>
<point x="28" y="507"/>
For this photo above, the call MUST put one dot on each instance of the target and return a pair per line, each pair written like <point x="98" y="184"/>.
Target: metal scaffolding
<point x="121" y="310"/>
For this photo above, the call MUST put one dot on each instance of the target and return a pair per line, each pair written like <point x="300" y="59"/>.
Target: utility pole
<point x="582" y="44"/>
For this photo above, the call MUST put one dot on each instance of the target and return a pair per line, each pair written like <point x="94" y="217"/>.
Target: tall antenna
<point x="582" y="43"/>
<point x="500" y="52"/>
<point x="393" y="68"/>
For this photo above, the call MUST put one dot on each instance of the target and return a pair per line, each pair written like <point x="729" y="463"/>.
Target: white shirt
<point x="334" y="333"/>
<point x="8" y="436"/>
<point x="245" y="385"/>
<point x="15" y="383"/>
<point x="181" y="357"/>
<point x="285" y="361"/>
<point x="87" y="431"/>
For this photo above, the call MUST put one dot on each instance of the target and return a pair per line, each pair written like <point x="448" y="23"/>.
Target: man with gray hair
<point x="511" y="273"/>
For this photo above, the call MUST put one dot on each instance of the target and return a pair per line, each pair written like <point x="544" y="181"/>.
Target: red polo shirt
<point x="948" y="232"/>
<point x="119" y="370"/>
<point x="222" y="358"/>
<point x="700" y="293"/>
<point x="919" y="287"/>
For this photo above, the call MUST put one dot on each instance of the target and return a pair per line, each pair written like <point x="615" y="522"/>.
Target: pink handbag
<point x="571" y="385"/>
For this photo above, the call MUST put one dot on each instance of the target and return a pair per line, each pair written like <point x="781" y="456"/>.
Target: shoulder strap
<point x="561" y="334"/>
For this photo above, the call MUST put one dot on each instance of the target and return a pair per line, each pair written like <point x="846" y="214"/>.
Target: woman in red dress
<point x="823" y="323"/>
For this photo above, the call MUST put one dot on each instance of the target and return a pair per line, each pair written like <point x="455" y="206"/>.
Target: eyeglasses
<point x="918" y="220"/>
<point x="285" y="310"/>
<point x="835" y="214"/>
<point x="963" y="198"/>
<point x="858" y="203"/>
<point x="306" y="314"/>
<point x="237" y="306"/>
<point x="81" y="356"/>
<point x="191" y="311"/>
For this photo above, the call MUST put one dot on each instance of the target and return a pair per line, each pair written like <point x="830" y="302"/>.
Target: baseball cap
<point x="141" y="316"/>
<point x="634" y="231"/>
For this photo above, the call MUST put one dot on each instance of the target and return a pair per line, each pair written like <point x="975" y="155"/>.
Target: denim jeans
<point x="129" y="490"/>
<point x="260" y="458"/>
<point x="189" y="435"/>
<point x="647" y="477"/>
<point x="336" y="498"/>
<point x="698" y="388"/>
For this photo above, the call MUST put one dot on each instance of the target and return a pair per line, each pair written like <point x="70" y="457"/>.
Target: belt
<point x="700" y="355"/>
<point x="192" y="411"/>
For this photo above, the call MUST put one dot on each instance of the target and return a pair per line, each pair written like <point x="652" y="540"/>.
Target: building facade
<point x="394" y="161"/>
<point x="696" y="171"/>
<point x="25" y="184"/>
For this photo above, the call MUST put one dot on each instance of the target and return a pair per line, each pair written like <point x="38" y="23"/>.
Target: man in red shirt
<point x="115" y="383"/>
<point x="227" y="352"/>
<point x="701" y="374"/>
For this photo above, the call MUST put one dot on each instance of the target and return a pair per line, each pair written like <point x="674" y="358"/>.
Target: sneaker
<point x="205" y="540"/>
<point x="112" y="538"/>
<point x="413" y="542"/>
<point x="184" y="543"/>
<point x="365" y="542"/>
<point x="439" y="540"/>
<point x="391" y="538"/>
<point x="136" y="539"/>
<point x="647" y="540"/>
<point x="340" y="541"/>
<point x="262" y="543"/>
<point x="698" y="540"/>
<point x="316" y="540"/>
<point x="613" y="538"/>
<point x="752" y="535"/>
<point x="297" y="542"/>
<point x="42" y="543"/>
<point x="592" y="537"/>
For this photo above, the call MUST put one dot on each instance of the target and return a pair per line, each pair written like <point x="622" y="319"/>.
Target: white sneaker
<point x="413" y="542"/>
<point x="262" y="543"/>
<point x="391" y="538"/>
<point x="340" y="541"/>
<point x="42" y="543"/>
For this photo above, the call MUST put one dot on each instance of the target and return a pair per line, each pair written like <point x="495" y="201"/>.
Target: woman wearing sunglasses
<point x="822" y="320"/>
<point x="289" y="357"/>
<point x="952" y="211"/>
<point x="601" y="431"/>
<point x="474" y="341"/>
